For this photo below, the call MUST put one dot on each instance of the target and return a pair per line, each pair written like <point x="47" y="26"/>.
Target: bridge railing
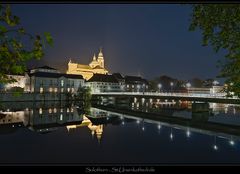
<point x="217" y="95"/>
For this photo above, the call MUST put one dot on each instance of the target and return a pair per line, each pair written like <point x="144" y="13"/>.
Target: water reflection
<point x="45" y="118"/>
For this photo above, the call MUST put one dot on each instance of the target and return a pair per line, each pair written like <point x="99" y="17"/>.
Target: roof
<point x="118" y="76"/>
<point x="45" y="67"/>
<point x="83" y="66"/>
<point x="98" y="67"/>
<point x="135" y="79"/>
<point x="103" y="78"/>
<point x="55" y="75"/>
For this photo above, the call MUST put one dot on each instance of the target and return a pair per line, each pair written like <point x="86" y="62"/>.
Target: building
<point x="49" y="80"/>
<point x="96" y="66"/>
<point x="21" y="81"/>
<point x="214" y="90"/>
<point x="103" y="83"/>
<point x="136" y="84"/>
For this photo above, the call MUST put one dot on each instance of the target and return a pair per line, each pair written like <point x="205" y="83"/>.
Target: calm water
<point x="62" y="133"/>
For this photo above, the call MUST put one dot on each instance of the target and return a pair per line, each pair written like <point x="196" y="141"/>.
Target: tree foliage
<point x="17" y="46"/>
<point x="220" y="26"/>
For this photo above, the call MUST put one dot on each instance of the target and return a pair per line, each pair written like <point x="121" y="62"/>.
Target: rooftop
<point x="103" y="78"/>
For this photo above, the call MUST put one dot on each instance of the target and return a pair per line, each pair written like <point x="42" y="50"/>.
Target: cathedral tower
<point x="100" y="58"/>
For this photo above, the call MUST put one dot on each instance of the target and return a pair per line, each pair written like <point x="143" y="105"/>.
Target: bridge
<point x="217" y="97"/>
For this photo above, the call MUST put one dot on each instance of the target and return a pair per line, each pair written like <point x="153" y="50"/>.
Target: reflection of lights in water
<point x="135" y="99"/>
<point x="215" y="147"/>
<point x="232" y="142"/>
<point x="159" y="126"/>
<point x="226" y="109"/>
<point x="138" y="121"/>
<point x="171" y="136"/>
<point x="143" y="128"/>
<point x="123" y="123"/>
<point x="188" y="133"/>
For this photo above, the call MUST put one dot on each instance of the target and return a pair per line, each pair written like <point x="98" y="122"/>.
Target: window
<point x="72" y="89"/>
<point x="50" y="90"/>
<point x="61" y="117"/>
<point x="62" y="82"/>
<point x="62" y="90"/>
<point x="41" y="89"/>
<point x="55" y="110"/>
<point x="127" y="86"/>
<point x="68" y="89"/>
<point x="50" y="110"/>
<point x="55" y="89"/>
<point x="40" y="110"/>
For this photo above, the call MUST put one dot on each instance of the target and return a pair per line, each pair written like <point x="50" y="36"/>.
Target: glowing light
<point x="123" y="123"/>
<point x="188" y="133"/>
<point x="171" y="136"/>
<point x="143" y="128"/>
<point x="188" y="85"/>
<point x="159" y="126"/>
<point x="232" y="142"/>
<point x="215" y="147"/>
<point x="138" y="121"/>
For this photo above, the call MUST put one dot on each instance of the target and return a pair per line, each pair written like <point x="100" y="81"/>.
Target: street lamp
<point x="159" y="87"/>
<point x="188" y="86"/>
<point x="138" y="87"/>
<point x="143" y="88"/>
<point x="171" y="84"/>
<point x="215" y="82"/>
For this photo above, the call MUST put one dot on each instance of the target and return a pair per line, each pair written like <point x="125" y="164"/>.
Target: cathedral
<point x="96" y="66"/>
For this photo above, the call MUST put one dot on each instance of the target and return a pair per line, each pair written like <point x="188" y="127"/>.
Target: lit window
<point x="55" y="90"/>
<point x="50" y="89"/>
<point x="41" y="89"/>
<point x="71" y="109"/>
<point x="55" y="110"/>
<point x="62" y="82"/>
<point x="40" y="110"/>
<point x="132" y="86"/>
<point x="68" y="89"/>
<point x="62" y="89"/>
<point x="61" y="110"/>
<point x="67" y="110"/>
<point x="50" y="110"/>
<point x="61" y="117"/>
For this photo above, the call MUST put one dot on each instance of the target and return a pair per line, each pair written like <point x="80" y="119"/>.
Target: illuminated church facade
<point x="96" y="66"/>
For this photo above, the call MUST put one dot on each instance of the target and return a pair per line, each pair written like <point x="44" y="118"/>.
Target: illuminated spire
<point x="94" y="57"/>
<point x="100" y="55"/>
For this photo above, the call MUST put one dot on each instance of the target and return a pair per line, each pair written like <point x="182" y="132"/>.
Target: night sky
<point x="146" y="39"/>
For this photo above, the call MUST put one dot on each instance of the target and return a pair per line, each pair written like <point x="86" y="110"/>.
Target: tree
<point x="17" y="46"/>
<point x="220" y="26"/>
